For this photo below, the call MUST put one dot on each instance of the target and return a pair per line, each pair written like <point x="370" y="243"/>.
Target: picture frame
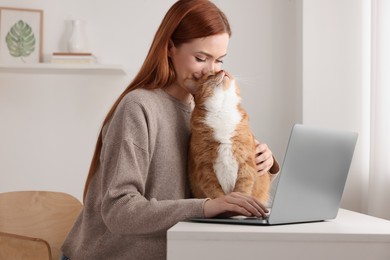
<point x="21" y="32"/>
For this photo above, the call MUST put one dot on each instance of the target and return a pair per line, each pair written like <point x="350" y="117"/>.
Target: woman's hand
<point x="234" y="203"/>
<point x="264" y="158"/>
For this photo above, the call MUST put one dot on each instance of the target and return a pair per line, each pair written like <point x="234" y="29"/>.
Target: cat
<point x="222" y="146"/>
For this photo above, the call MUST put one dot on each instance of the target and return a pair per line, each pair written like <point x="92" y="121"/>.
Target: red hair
<point x="186" y="20"/>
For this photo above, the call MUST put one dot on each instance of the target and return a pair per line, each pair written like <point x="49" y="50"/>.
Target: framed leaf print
<point x="20" y="35"/>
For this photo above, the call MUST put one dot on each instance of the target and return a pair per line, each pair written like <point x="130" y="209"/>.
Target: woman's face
<point x="197" y="58"/>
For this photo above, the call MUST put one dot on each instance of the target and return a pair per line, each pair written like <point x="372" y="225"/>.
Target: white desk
<point x="350" y="236"/>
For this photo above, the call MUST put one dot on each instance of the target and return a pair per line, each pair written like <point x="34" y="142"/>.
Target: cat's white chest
<point x="223" y="117"/>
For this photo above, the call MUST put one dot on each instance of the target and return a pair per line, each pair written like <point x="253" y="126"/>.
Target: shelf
<point x="49" y="68"/>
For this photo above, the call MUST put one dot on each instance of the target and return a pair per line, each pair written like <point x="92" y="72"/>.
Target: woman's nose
<point x="209" y="69"/>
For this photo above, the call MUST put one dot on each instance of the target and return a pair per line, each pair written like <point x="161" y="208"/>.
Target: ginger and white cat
<point x="222" y="147"/>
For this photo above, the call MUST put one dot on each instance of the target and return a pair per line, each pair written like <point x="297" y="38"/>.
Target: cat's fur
<point x="222" y="147"/>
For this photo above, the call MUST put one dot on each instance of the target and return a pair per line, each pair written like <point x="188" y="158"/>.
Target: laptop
<point x="311" y="181"/>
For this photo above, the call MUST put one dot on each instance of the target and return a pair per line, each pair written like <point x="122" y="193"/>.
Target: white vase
<point x="78" y="41"/>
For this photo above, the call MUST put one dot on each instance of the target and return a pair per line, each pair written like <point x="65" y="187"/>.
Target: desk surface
<point x="347" y="225"/>
<point x="351" y="234"/>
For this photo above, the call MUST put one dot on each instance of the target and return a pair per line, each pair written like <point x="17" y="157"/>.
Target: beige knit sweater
<point x="140" y="189"/>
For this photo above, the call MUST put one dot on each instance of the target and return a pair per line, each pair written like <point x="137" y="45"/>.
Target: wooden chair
<point x="34" y="224"/>
<point x="15" y="247"/>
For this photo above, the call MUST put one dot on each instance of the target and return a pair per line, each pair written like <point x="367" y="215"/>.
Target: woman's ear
<point x="171" y="48"/>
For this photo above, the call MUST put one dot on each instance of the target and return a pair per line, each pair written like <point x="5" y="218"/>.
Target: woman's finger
<point x="249" y="203"/>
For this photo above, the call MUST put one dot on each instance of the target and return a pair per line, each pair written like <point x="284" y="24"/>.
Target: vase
<point x="78" y="42"/>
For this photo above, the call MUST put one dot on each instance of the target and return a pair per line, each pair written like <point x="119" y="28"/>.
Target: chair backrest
<point x="15" y="247"/>
<point x="39" y="214"/>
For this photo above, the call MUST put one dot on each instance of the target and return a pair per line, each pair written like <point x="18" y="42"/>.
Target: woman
<point x="137" y="185"/>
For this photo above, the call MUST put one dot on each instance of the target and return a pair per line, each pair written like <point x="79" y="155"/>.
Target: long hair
<point x="185" y="20"/>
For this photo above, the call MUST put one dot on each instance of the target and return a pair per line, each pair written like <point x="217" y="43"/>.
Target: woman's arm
<point x="126" y="180"/>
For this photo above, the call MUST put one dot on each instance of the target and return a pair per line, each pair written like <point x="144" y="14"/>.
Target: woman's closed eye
<point x="200" y="59"/>
<point x="205" y="59"/>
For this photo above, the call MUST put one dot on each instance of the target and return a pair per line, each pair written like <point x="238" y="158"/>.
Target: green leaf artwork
<point x="20" y="40"/>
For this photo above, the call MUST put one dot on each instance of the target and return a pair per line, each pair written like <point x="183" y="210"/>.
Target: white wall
<point x="265" y="54"/>
<point x="335" y="53"/>
<point x="49" y="125"/>
<point x="49" y="122"/>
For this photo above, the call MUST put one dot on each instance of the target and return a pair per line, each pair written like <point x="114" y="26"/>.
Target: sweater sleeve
<point x="125" y="162"/>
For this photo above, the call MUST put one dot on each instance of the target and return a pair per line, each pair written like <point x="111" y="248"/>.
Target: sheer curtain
<point x="378" y="193"/>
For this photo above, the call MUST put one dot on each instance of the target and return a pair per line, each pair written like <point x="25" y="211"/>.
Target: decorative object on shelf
<point x="20" y="35"/>
<point x="73" y="58"/>
<point x="78" y="41"/>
